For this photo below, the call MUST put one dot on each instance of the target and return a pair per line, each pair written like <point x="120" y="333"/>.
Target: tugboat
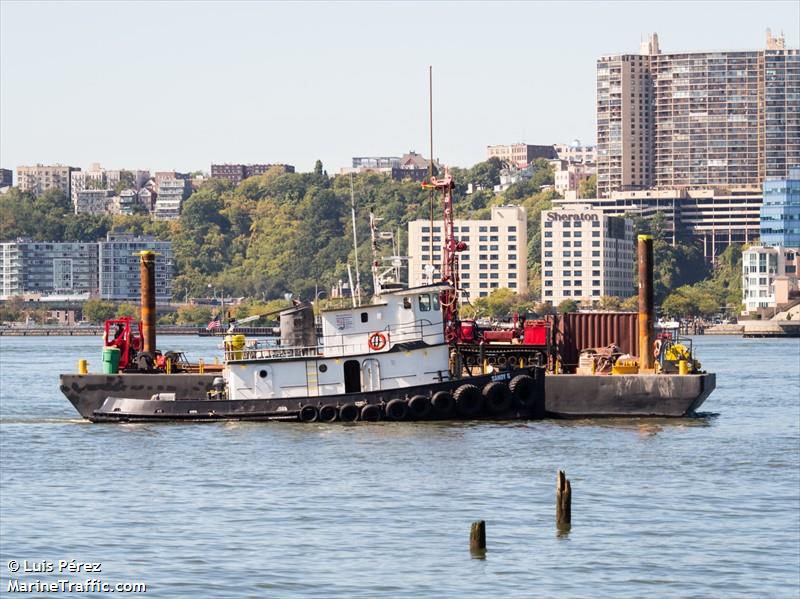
<point x="387" y="359"/>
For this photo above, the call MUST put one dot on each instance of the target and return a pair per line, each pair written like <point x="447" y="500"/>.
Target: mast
<point x="355" y="240"/>
<point x="430" y="166"/>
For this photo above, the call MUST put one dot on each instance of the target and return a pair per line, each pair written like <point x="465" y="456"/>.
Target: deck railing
<point x="355" y="343"/>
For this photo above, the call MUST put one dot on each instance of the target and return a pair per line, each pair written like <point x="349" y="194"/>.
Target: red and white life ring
<point x="377" y="341"/>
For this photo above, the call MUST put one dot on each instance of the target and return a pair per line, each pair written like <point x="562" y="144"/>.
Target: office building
<point x="520" y="155"/>
<point x="171" y="194"/>
<point x="95" y="201"/>
<point x="118" y="259"/>
<point x="236" y="173"/>
<point x="780" y="212"/>
<point x="769" y="275"/>
<point x="697" y="120"/>
<point x="715" y="218"/>
<point x="586" y="255"/>
<point x="496" y="255"/>
<point x="48" y="269"/>
<point x="40" y="178"/>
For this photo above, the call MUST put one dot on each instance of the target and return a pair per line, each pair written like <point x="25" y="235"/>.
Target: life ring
<point x="377" y="341"/>
<point x="657" y="348"/>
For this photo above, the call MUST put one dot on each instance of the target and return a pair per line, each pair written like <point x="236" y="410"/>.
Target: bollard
<point x="683" y="367"/>
<point x="201" y="366"/>
<point x="83" y="367"/>
<point x="563" y="502"/>
<point x="168" y="365"/>
<point x="477" y="538"/>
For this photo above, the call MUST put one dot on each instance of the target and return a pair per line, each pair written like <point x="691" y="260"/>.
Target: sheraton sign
<point x="551" y="216"/>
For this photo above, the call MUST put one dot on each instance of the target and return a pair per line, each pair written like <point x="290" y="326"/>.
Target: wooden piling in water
<point x="477" y="537"/>
<point x="563" y="502"/>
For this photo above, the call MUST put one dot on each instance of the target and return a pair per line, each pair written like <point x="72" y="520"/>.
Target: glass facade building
<point x="780" y="212"/>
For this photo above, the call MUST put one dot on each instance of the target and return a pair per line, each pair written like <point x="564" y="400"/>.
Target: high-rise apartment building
<point x="586" y="255"/>
<point x="40" y="178"/>
<point x="496" y="255"/>
<point x="697" y="120"/>
<point x="780" y="212"/>
<point x="169" y="201"/>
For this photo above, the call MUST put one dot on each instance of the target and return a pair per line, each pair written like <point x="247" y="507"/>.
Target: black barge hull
<point x="564" y="396"/>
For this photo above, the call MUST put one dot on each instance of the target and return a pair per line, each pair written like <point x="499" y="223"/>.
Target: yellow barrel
<point x="234" y="344"/>
<point x="683" y="367"/>
<point x="83" y="366"/>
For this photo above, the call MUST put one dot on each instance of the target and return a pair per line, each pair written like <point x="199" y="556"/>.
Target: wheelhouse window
<point x="425" y="303"/>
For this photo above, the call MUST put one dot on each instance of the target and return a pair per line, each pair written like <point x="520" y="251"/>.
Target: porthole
<point x="323" y="368"/>
<point x="262" y="374"/>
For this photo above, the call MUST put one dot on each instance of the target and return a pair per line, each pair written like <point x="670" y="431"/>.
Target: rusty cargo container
<point x="576" y="331"/>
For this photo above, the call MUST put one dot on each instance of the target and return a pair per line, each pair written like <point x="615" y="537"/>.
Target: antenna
<point x="355" y="240"/>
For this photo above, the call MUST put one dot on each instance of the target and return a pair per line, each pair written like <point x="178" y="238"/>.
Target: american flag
<point x="214" y="324"/>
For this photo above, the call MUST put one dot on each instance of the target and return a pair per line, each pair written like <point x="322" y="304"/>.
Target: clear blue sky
<point x="180" y="85"/>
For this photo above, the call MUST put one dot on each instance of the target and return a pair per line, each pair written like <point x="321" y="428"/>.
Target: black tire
<point x="523" y="388"/>
<point x="371" y="413"/>
<point x="443" y="403"/>
<point x="308" y="413"/>
<point x="471" y="360"/>
<point x="469" y="401"/>
<point x="348" y="413"/>
<point x="328" y="413"/>
<point x="497" y="397"/>
<point x="419" y="407"/>
<point x="513" y="361"/>
<point x="396" y="410"/>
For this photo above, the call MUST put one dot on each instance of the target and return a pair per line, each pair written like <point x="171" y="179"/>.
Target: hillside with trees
<point x="291" y="232"/>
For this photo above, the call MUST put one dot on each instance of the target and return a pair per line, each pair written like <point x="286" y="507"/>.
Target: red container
<point x="503" y="336"/>
<point x="535" y="332"/>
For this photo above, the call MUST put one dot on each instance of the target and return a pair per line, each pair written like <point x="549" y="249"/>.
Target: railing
<point x="266" y="349"/>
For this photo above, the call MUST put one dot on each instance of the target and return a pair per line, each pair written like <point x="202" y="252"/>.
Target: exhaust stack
<point x="147" y="274"/>
<point x="646" y="303"/>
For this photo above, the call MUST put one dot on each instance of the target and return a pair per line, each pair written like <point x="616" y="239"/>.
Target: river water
<point x="707" y="507"/>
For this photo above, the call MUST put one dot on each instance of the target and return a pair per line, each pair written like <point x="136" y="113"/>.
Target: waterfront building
<point x="118" y="260"/>
<point x="147" y="197"/>
<point x="780" y="212"/>
<point x="769" y="276"/>
<point x="171" y="194"/>
<point x="520" y="155"/>
<point x="40" y="178"/>
<point x="236" y="173"/>
<point x="48" y="268"/>
<point x="697" y="120"/>
<point x="128" y="201"/>
<point x="94" y="201"/>
<point x="586" y="255"/>
<point x="6" y="177"/>
<point x="715" y="218"/>
<point x="568" y="176"/>
<point x="496" y="255"/>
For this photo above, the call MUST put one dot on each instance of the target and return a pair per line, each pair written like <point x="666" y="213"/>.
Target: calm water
<point x="690" y="508"/>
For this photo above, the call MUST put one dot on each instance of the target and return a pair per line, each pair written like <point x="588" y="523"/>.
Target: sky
<point x="179" y="85"/>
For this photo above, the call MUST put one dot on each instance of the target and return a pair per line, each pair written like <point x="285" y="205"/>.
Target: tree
<point x="609" y="302"/>
<point x="98" y="311"/>
<point x="630" y="304"/>
<point x="318" y="167"/>
<point x="126" y="181"/>
<point x="588" y="187"/>
<point x="127" y="309"/>
<point x="568" y="305"/>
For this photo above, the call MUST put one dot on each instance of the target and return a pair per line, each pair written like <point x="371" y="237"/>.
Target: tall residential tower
<point x="697" y="120"/>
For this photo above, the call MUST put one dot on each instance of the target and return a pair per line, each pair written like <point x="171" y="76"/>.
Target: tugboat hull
<point x="511" y="395"/>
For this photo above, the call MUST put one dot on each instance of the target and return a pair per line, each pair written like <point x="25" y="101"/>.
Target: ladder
<point x="312" y="380"/>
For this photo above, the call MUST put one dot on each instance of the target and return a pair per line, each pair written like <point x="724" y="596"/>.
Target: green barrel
<point x="111" y="360"/>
